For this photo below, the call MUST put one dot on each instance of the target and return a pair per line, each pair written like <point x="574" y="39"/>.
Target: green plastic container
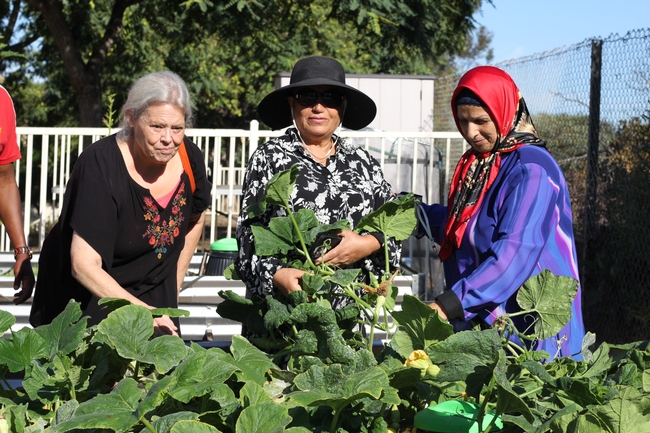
<point x="222" y="254"/>
<point x="454" y="417"/>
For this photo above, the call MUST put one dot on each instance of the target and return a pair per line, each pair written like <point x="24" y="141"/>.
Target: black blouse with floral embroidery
<point x="349" y="186"/>
<point x="138" y="240"/>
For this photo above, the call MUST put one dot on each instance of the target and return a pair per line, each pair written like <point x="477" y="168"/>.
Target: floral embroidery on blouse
<point x="163" y="233"/>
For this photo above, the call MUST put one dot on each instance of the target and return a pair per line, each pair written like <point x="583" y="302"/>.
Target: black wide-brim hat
<point x="274" y="110"/>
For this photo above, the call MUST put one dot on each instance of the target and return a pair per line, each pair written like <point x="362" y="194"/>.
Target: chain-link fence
<point x="590" y="102"/>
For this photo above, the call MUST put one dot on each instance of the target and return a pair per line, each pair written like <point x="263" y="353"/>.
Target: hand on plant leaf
<point x="287" y="280"/>
<point x="437" y="307"/>
<point x="164" y="326"/>
<point x="352" y="248"/>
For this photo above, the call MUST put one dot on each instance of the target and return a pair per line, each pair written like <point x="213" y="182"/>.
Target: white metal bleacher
<point x="200" y="296"/>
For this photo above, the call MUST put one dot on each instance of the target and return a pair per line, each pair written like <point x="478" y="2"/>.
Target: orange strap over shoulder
<point x="187" y="166"/>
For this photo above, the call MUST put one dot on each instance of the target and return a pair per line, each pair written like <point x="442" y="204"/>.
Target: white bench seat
<point x="200" y="296"/>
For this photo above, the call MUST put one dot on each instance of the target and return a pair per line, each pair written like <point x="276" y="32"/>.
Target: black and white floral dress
<point x="350" y="185"/>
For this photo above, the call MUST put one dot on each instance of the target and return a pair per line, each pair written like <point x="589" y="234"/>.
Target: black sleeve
<point x="450" y="304"/>
<point x="89" y="207"/>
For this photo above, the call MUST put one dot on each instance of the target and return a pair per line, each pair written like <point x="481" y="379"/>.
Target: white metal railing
<point x="420" y="162"/>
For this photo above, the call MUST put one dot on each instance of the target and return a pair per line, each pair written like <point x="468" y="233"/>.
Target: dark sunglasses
<point x="329" y="98"/>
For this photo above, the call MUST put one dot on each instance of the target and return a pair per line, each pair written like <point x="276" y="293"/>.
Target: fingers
<point x="22" y="296"/>
<point x="287" y="280"/>
<point x="352" y="248"/>
<point x="164" y="326"/>
<point x="439" y="309"/>
<point x="24" y="279"/>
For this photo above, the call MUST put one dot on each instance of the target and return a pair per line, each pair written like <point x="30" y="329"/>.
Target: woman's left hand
<point x="439" y="309"/>
<point x="164" y="326"/>
<point x="353" y="247"/>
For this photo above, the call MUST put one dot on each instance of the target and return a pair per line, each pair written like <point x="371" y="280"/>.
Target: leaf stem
<point x="149" y="426"/>
<point x="285" y="202"/>
<point x="335" y="421"/>
<point x="7" y="386"/>
<point x="521" y="313"/>
<point x="386" y="256"/>
<point x="136" y="370"/>
<point x="532" y="391"/>
<point x="381" y="301"/>
<point x="354" y="296"/>
<point x="482" y="409"/>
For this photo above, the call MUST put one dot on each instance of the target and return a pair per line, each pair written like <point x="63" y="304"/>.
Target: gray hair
<point x="156" y="87"/>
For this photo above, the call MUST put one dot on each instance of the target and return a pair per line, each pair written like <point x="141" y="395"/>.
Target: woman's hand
<point x="287" y="280"/>
<point x="24" y="280"/>
<point x="353" y="247"/>
<point x="437" y="307"/>
<point x="164" y="326"/>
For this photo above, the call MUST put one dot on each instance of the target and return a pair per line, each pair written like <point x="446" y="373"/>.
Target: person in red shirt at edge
<point x="10" y="205"/>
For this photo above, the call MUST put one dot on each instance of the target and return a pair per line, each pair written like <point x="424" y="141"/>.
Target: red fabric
<point x="475" y="173"/>
<point x="498" y="92"/>
<point x="9" y="151"/>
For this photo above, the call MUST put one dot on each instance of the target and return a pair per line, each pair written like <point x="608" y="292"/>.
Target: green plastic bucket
<point x="454" y="416"/>
<point x="222" y="254"/>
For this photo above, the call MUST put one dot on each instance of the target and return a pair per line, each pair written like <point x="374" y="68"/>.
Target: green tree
<point x="227" y="51"/>
<point x="618" y="276"/>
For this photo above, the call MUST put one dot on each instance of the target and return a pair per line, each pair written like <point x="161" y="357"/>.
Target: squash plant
<point x="116" y="377"/>
<point x="287" y="326"/>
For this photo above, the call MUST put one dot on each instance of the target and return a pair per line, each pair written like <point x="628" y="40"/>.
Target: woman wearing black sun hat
<point x="337" y="180"/>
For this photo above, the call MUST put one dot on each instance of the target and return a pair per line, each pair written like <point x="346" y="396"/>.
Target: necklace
<point x="316" y="157"/>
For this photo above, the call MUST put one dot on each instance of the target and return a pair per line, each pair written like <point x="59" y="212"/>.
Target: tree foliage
<point x="620" y="261"/>
<point x="227" y="51"/>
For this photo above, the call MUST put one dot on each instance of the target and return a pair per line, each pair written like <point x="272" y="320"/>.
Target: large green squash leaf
<point x="551" y="297"/>
<point x="268" y="243"/>
<point x="118" y="411"/>
<point x="420" y="326"/>
<point x="278" y="191"/>
<point x="621" y="414"/>
<point x="263" y="418"/>
<point x="509" y="401"/>
<point x="201" y="373"/>
<point x="395" y="219"/>
<point x="329" y="386"/>
<point x="279" y="188"/>
<point x="115" y="411"/>
<point x="130" y="328"/>
<point x="6" y="321"/>
<point x="66" y="331"/>
<point x="252" y="394"/>
<point x="165" y="423"/>
<point x="24" y="347"/>
<point x="191" y="426"/>
<point x="252" y="362"/>
<point x="466" y="353"/>
<point x="240" y="309"/>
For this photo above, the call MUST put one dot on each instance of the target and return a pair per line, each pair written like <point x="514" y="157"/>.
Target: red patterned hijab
<point x="475" y="171"/>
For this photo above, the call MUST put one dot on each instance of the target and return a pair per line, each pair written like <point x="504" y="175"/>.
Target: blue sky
<point x="526" y="27"/>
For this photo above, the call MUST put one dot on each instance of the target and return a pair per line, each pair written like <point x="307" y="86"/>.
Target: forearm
<point x="10" y="206"/>
<point x="191" y="241"/>
<point x="86" y="267"/>
<point x="97" y="281"/>
<point x="524" y="221"/>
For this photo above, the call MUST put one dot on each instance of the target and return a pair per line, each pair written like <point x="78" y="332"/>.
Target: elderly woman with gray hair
<point x="132" y="213"/>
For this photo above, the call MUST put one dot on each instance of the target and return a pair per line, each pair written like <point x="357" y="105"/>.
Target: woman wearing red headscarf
<point x="509" y="214"/>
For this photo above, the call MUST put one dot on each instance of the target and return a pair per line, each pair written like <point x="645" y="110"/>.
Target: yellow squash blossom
<point x="419" y="359"/>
